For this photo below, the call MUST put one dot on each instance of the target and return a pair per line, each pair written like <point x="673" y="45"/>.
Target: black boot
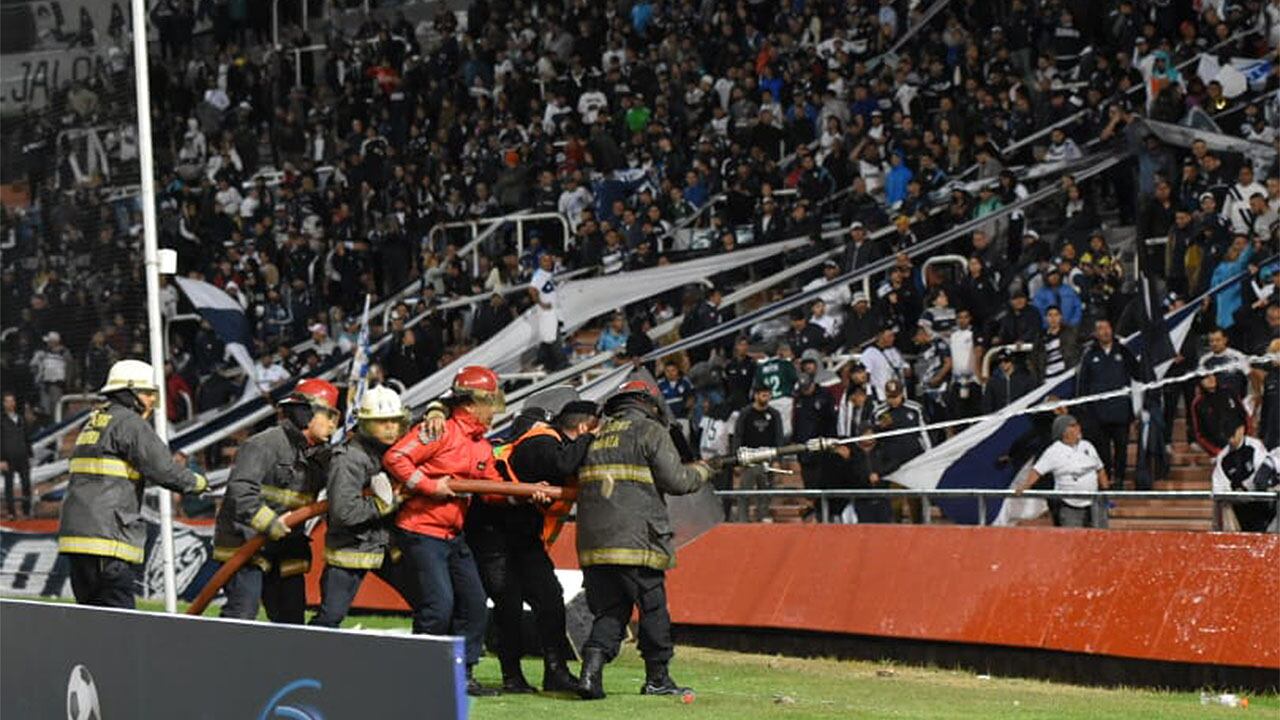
<point x="556" y="675"/>
<point x="657" y="681"/>
<point x="513" y="677"/>
<point x="591" y="686"/>
<point x="475" y="689"/>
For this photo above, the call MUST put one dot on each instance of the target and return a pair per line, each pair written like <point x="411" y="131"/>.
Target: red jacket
<point x="461" y="452"/>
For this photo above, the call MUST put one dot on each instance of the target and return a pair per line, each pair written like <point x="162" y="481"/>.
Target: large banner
<point x="85" y="663"/>
<point x="31" y="567"/>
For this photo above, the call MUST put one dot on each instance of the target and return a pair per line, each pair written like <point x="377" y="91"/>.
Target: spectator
<point x="322" y="344"/>
<point x="1076" y="467"/>
<point x="1020" y="323"/>
<point x="966" y="349"/>
<point x="1215" y="413"/>
<point x="856" y="413"/>
<point x="1235" y="469"/>
<point x="406" y="361"/>
<point x="804" y="335"/>
<point x="676" y="389"/>
<point x="1106" y="366"/>
<point x="542" y="290"/>
<point x="1007" y="383"/>
<point x="1229" y="364"/>
<point x="739" y="374"/>
<point x="1234" y="262"/>
<point x="859" y="467"/>
<point x="883" y="362"/>
<point x="269" y="374"/>
<point x="1269" y="425"/>
<point x="614" y="336"/>
<point x="759" y="425"/>
<point x="861" y="325"/>
<point x="492" y="317"/>
<point x="1058" y="347"/>
<point x="15" y="454"/>
<point x="1057" y="294"/>
<point x="705" y="315"/>
<point x="49" y="367"/>
<point x="933" y="371"/>
<point x="176" y="388"/>
<point x="897" y="413"/>
<point x="813" y="416"/>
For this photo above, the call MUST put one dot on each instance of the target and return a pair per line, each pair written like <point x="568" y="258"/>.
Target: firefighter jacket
<point x="275" y="472"/>
<point x="461" y="451"/>
<point x="359" y="531"/>
<point x="622" y="515"/>
<point x="116" y="454"/>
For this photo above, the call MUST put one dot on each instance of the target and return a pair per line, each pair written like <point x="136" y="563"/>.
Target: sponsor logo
<point x="277" y="707"/>
<point x="82" y="695"/>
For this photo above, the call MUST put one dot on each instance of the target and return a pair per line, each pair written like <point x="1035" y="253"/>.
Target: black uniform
<point x="506" y="538"/>
<point x="275" y="472"/>
<point x="1106" y="422"/>
<point x="814" y="415"/>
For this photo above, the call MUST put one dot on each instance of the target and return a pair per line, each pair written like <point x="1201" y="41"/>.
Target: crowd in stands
<point x="299" y="199"/>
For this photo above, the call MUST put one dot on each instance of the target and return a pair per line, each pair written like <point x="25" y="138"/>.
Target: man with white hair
<point x="1075" y="465"/>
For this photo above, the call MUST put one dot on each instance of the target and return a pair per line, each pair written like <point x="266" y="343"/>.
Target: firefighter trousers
<point x="612" y="591"/>
<point x="103" y="581"/>
<point x="285" y="598"/>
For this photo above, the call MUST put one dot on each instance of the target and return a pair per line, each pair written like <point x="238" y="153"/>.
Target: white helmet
<point x="382" y="403"/>
<point x="130" y="375"/>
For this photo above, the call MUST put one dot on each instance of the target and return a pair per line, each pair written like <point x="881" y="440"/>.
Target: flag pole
<point x="151" y="254"/>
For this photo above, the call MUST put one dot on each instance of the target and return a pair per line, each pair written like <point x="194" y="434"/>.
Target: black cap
<point x="580" y="407"/>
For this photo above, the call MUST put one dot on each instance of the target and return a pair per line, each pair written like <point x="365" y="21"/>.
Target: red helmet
<point x="479" y="383"/>
<point x="638" y="385"/>
<point x="319" y="394"/>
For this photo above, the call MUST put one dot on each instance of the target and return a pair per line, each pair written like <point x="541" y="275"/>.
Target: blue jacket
<point x="1065" y="298"/>
<point x="895" y="184"/>
<point x="1229" y="299"/>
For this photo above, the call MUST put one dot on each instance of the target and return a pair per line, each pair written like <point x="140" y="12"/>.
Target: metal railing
<point x="1099" y="500"/>
<point x="491" y="225"/>
<point x="86" y="398"/>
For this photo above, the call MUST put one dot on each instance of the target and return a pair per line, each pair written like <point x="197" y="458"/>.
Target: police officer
<point x="278" y="470"/>
<point x="116" y="455"/>
<point x="507" y="539"/>
<point x="625" y="537"/>
<point x="358" y="536"/>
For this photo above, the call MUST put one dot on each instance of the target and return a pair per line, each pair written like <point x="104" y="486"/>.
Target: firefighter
<point x="280" y="469"/>
<point x="116" y="455"/>
<point x="625" y="537"/>
<point x="507" y="538"/>
<point x="449" y="598"/>
<point x="358" y="536"/>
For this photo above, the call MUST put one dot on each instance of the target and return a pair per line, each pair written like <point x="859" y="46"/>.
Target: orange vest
<point x="555" y="514"/>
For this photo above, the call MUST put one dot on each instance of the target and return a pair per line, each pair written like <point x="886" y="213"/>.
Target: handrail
<point x="70" y="398"/>
<point x="991" y="352"/>
<point x="1099" y="498"/>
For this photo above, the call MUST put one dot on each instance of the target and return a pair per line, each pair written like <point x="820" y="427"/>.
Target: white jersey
<point x="882" y="366"/>
<point x="1073" y="468"/>
<point x="546" y="316"/>
<point x="714" y="440"/>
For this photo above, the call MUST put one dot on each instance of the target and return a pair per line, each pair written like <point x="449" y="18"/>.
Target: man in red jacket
<point x="450" y="597"/>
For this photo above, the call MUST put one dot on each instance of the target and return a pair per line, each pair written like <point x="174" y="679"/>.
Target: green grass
<point x="742" y="686"/>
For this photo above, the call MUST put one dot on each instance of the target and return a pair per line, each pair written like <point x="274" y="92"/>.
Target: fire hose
<point x="297" y="516"/>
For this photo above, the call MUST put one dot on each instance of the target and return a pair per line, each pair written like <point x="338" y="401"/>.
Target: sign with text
<point x="81" y="663"/>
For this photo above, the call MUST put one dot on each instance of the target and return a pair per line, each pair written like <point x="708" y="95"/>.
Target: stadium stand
<point x="367" y="154"/>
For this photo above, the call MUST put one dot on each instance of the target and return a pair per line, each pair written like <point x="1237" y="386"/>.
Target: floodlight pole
<point x="151" y="256"/>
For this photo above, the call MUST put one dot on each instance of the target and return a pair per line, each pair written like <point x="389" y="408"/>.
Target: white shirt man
<point x="883" y="363"/>
<point x="1238" y="195"/>
<point x="1076" y="467"/>
<point x="269" y="373"/>
<point x="543" y="284"/>
<point x="573" y="200"/>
